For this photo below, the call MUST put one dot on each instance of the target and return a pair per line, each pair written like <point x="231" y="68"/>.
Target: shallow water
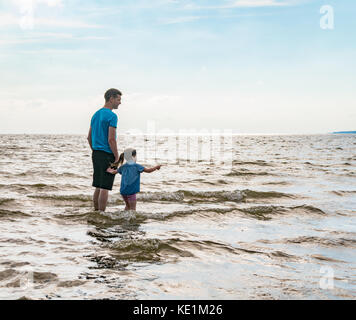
<point x="275" y="221"/>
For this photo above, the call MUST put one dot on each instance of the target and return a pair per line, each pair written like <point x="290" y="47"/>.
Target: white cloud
<point x="17" y="41"/>
<point x="64" y="23"/>
<point x="46" y="37"/>
<point x="27" y="3"/>
<point x="8" y="19"/>
<point x="179" y="20"/>
<point x="258" y="3"/>
<point x="26" y="17"/>
<point x="244" y="4"/>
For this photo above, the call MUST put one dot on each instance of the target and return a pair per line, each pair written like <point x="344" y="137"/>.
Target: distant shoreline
<point x="345" y="132"/>
<point x="183" y="134"/>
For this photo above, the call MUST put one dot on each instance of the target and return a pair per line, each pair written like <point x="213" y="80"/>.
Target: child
<point x="130" y="180"/>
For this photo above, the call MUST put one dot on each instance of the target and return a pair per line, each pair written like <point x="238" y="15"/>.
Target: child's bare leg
<point x="127" y="207"/>
<point x="132" y="205"/>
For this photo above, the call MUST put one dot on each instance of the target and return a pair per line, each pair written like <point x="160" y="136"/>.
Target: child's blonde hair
<point x="121" y="159"/>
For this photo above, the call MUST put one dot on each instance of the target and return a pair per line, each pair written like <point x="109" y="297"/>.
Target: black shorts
<point x="101" y="161"/>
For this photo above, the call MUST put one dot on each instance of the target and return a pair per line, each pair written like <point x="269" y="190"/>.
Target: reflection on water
<point x="273" y="225"/>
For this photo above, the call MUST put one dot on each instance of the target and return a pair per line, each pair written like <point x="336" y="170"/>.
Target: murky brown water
<point x="278" y="224"/>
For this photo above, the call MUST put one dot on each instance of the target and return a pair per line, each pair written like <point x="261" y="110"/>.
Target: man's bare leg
<point x="96" y="199"/>
<point x="103" y="199"/>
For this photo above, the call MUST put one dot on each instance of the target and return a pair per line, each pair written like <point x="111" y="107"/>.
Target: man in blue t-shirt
<point x="102" y="141"/>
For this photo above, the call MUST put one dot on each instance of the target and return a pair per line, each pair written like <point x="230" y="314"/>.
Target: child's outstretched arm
<point x="149" y="170"/>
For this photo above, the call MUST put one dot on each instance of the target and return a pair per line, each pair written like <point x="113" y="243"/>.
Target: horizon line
<point x="186" y="134"/>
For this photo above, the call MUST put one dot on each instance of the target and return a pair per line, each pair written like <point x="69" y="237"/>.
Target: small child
<point x="130" y="180"/>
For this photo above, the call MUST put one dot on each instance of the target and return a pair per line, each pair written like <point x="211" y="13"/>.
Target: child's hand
<point x="112" y="171"/>
<point x="158" y="167"/>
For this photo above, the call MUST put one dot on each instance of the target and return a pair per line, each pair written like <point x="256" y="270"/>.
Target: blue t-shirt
<point x="130" y="180"/>
<point x="100" y="123"/>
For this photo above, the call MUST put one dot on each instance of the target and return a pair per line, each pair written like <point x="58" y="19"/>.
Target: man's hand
<point x="158" y="167"/>
<point x="115" y="164"/>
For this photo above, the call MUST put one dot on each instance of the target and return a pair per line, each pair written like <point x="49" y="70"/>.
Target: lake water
<point x="274" y="220"/>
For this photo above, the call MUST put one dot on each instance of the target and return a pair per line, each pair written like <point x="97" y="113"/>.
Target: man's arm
<point x="89" y="139"/>
<point x="112" y="142"/>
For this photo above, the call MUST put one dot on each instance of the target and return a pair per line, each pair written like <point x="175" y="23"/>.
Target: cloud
<point x="258" y="3"/>
<point x="64" y="23"/>
<point x="27" y="19"/>
<point x="179" y="20"/>
<point x="244" y="4"/>
<point x="32" y="3"/>
<point x="8" y="19"/>
<point x="49" y="36"/>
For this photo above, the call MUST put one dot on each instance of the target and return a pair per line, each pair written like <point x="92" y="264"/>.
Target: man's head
<point x="113" y="98"/>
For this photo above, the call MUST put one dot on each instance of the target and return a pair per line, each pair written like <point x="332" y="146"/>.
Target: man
<point x="102" y="141"/>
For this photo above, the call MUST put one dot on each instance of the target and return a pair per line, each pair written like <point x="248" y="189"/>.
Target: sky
<point x="250" y="66"/>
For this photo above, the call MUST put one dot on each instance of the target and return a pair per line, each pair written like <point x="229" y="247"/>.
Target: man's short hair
<point x="111" y="93"/>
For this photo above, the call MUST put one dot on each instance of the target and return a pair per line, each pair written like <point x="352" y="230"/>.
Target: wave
<point x="103" y="218"/>
<point x="281" y="254"/>
<point x="5" y="200"/>
<point x="254" y="163"/>
<point x="308" y="209"/>
<point x="265" y="212"/>
<point x="8" y="213"/>
<point x="324" y="241"/>
<point x="36" y="277"/>
<point x="324" y="258"/>
<point x="70" y="283"/>
<point x="173" y="248"/>
<point x="213" y="183"/>
<point x="8" y="274"/>
<point x="180" y="196"/>
<point x="189" y="196"/>
<point x="314" y="164"/>
<point x="281" y="183"/>
<point x="246" y="173"/>
<point x="211" y="196"/>
<point x="312" y="240"/>
<point x="262" y="212"/>
<point x="37" y="186"/>
<point x="47" y="173"/>
<point x="77" y="197"/>
<point x="266" y="194"/>
<point x="344" y="192"/>
<point x="176" y="196"/>
<point x="146" y="249"/>
<point x="12" y="147"/>
<point x="235" y="195"/>
<point x="44" y="277"/>
<point x="256" y="212"/>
